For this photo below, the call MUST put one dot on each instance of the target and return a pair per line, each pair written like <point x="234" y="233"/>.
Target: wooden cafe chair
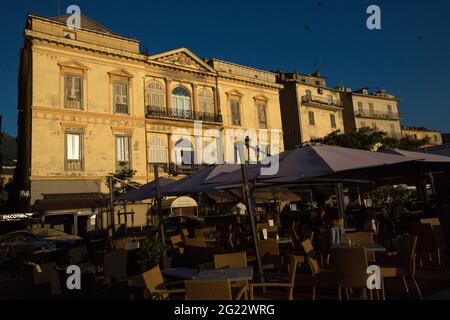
<point x="405" y="266"/>
<point x="289" y="284"/>
<point x="351" y="270"/>
<point x="211" y="290"/>
<point x="153" y="285"/>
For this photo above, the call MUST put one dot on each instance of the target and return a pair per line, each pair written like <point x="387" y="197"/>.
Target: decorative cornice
<point x="87" y="114"/>
<point x="141" y="58"/>
<point x="254" y="82"/>
<point x="73" y="64"/>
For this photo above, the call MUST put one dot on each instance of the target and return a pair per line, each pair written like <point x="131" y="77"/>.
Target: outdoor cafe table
<point x="370" y="247"/>
<point x="233" y="274"/>
<point x="180" y="273"/>
<point x="284" y="240"/>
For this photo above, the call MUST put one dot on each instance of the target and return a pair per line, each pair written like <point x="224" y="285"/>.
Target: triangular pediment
<point x="86" y="23"/>
<point x="72" y="64"/>
<point x="121" y="73"/>
<point x="182" y="57"/>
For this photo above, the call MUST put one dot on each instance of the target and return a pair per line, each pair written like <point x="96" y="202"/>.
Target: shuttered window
<point x="74" y="151"/>
<point x="73" y="146"/>
<point x="181" y="103"/>
<point x="333" y="120"/>
<point x="157" y="151"/>
<point x="206" y="102"/>
<point x="312" y="121"/>
<point x="262" y="116"/>
<point x="235" y="107"/>
<point x="73" y="85"/>
<point x="120" y="92"/>
<point x="154" y="96"/>
<point x="360" y="107"/>
<point x="123" y="155"/>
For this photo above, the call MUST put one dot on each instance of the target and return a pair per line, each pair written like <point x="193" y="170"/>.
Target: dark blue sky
<point x="409" y="56"/>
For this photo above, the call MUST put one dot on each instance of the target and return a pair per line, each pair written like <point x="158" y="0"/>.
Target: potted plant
<point x="152" y="251"/>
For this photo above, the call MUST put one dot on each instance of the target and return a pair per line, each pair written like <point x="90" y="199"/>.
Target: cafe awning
<point x="70" y="203"/>
<point x="178" y="202"/>
<point x="146" y="191"/>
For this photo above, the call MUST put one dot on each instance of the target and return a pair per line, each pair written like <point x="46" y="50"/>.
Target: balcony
<point x="170" y="113"/>
<point x="175" y="169"/>
<point x="73" y="165"/>
<point x="321" y="102"/>
<point x="73" y="103"/>
<point x="378" y="115"/>
<point x="121" y="108"/>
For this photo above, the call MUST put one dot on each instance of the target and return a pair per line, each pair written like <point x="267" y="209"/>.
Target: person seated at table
<point x="337" y="228"/>
<point x="316" y="223"/>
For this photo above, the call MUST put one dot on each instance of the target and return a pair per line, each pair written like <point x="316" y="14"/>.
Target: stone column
<point x="168" y="95"/>
<point x="194" y="101"/>
<point x="217" y="112"/>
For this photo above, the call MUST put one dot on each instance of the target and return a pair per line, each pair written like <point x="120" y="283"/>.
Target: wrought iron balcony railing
<point x="74" y="165"/>
<point x="322" y="101"/>
<point x="378" y="114"/>
<point x="174" y="169"/>
<point x="162" y="112"/>
<point x="121" y="108"/>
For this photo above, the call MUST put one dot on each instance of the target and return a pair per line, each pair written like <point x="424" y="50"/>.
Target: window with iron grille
<point x="123" y="152"/>
<point x="262" y="116"/>
<point x="311" y="118"/>
<point x="120" y="93"/>
<point x="74" y="145"/>
<point x="235" y="112"/>
<point x="73" y="89"/>
<point x="181" y="103"/>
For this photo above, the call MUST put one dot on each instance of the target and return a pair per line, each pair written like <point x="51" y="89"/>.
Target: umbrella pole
<point x="340" y="200"/>
<point x="111" y="208"/>
<point x="251" y="207"/>
<point x="158" y="199"/>
<point x="359" y="196"/>
<point x="433" y="187"/>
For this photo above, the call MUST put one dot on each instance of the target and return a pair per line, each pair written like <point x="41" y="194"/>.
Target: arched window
<point x="181" y="103"/>
<point x="154" y="98"/>
<point x="184" y="152"/>
<point x="206" y="102"/>
<point x="157" y="151"/>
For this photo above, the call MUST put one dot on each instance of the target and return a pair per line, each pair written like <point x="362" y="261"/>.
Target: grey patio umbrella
<point x="146" y="191"/>
<point x="315" y="161"/>
<point x="197" y="182"/>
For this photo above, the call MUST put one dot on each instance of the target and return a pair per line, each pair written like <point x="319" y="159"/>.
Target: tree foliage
<point x="369" y="139"/>
<point x="122" y="182"/>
